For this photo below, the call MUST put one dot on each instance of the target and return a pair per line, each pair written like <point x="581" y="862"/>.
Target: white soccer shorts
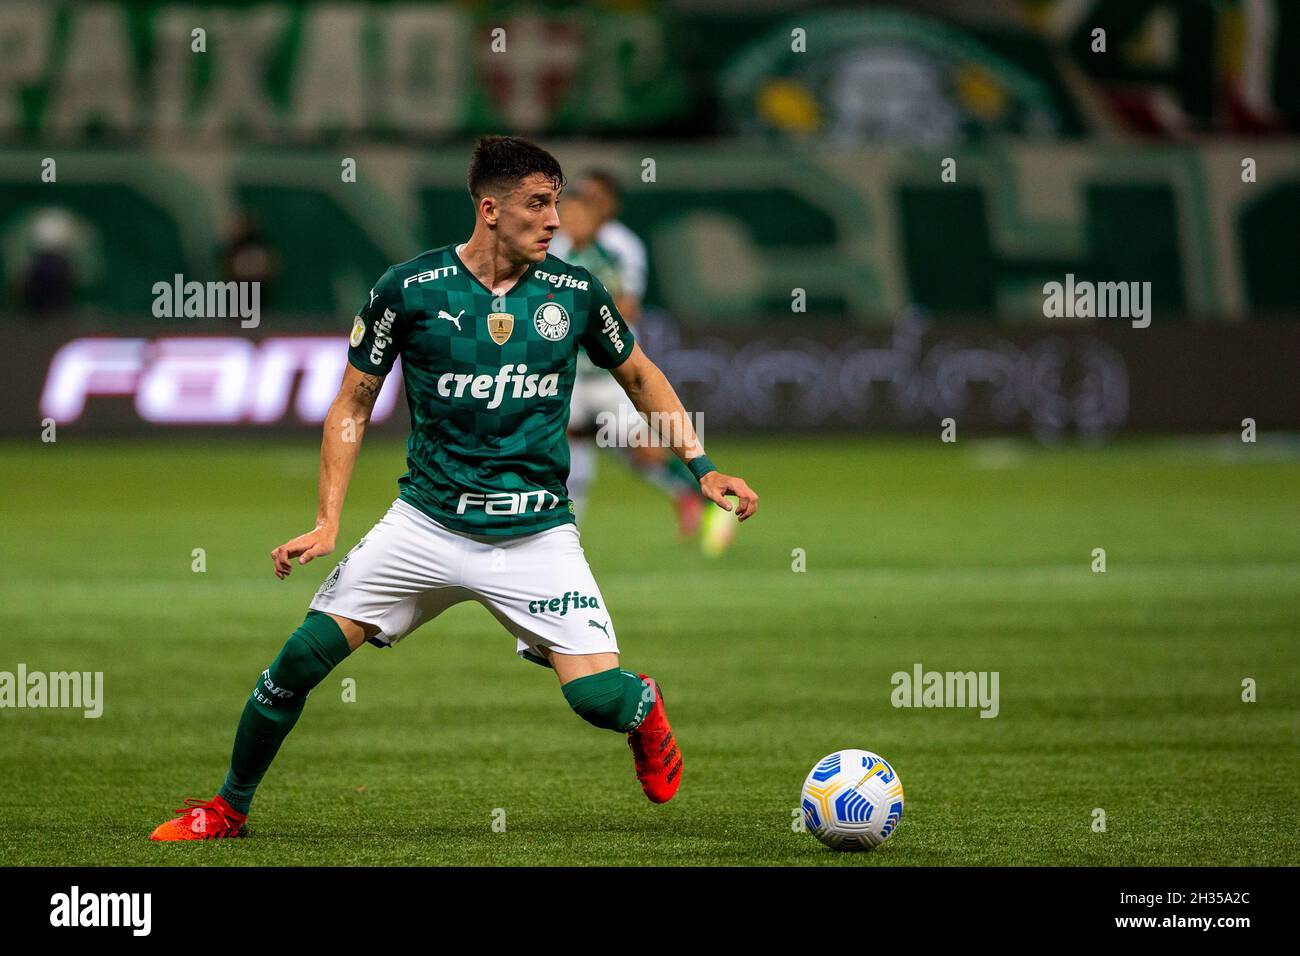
<point x="408" y="569"/>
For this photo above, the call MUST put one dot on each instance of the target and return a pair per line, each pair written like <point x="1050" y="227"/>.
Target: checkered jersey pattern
<point x="487" y="452"/>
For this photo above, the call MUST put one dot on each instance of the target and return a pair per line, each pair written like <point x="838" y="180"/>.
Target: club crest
<point x="551" y="321"/>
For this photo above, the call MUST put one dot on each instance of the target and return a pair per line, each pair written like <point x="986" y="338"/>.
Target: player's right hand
<point x="316" y="542"/>
<point x="716" y="486"/>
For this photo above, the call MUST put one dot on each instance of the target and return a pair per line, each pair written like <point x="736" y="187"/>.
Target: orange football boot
<point x="655" y="752"/>
<point x="203" y="820"/>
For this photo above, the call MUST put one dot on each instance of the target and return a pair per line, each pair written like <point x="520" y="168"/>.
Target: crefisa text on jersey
<point x="383" y="335"/>
<point x="562" y="281"/>
<point x="480" y="386"/>
<point x="610" y="328"/>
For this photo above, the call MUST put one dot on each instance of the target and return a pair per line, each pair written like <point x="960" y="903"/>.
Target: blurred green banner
<point x="922" y="74"/>
<point x="312" y="72"/>
<point x="732" y="235"/>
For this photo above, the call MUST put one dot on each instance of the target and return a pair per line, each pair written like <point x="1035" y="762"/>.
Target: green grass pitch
<point x="1120" y="691"/>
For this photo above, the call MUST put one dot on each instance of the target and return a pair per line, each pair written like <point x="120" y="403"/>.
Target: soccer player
<point x="488" y="332"/>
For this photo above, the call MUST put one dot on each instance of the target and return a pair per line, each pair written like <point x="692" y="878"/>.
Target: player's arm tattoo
<point x="367" y="390"/>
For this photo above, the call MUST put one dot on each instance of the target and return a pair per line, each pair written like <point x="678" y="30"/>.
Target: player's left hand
<point x="716" y="486"/>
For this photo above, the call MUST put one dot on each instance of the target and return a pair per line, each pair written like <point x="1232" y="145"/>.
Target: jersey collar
<point x="455" y="254"/>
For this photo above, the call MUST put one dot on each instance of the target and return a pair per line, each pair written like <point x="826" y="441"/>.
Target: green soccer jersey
<point x="488" y="380"/>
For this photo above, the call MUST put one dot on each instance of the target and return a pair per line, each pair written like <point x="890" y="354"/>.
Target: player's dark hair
<point x="500" y="162"/>
<point x="607" y="180"/>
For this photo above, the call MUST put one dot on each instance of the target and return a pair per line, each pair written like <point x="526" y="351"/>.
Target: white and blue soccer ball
<point x="852" y="800"/>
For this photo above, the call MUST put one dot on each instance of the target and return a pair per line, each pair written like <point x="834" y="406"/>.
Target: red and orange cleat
<point x="203" y="820"/>
<point x="655" y="752"/>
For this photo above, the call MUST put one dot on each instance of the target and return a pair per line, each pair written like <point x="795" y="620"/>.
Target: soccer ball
<point x="852" y="800"/>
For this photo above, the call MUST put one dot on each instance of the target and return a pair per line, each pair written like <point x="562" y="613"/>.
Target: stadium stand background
<point x="775" y="169"/>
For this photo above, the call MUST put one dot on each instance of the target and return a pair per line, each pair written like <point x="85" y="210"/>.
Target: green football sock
<point x="311" y="652"/>
<point x="612" y="699"/>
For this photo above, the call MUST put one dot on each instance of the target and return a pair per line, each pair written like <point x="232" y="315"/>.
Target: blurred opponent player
<point x="591" y="236"/>
<point x="597" y="397"/>
<point x="488" y="332"/>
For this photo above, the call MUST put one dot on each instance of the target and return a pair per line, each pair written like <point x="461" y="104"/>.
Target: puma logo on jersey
<point x="452" y="318"/>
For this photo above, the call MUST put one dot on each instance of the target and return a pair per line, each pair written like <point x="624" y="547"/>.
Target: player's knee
<point x="310" y="653"/>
